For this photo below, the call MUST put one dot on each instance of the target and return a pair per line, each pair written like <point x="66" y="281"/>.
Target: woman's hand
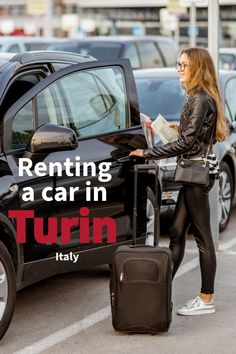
<point x="137" y="152"/>
<point x="174" y="126"/>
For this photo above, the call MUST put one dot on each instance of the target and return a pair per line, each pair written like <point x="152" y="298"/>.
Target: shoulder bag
<point x="193" y="171"/>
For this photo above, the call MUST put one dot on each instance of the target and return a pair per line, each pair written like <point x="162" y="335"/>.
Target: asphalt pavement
<point x="64" y="315"/>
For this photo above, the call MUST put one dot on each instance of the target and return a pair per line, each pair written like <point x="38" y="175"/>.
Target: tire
<point x="7" y="289"/>
<point x="150" y="217"/>
<point x="225" y="195"/>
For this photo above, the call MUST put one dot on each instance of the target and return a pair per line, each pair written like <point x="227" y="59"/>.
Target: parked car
<point x="143" y="52"/>
<point x="18" y="44"/>
<point x="83" y="115"/>
<point x="227" y="58"/>
<point x="159" y="91"/>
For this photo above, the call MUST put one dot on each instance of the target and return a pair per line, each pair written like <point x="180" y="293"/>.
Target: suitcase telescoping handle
<point x="145" y="168"/>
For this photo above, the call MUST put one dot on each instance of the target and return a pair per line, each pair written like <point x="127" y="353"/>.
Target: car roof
<point x="24" y="39"/>
<point x="11" y="63"/>
<point x="171" y="72"/>
<point x="43" y="56"/>
<point x="121" y="39"/>
<point x="161" y="72"/>
<point x="6" y="56"/>
<point x="228" y="50"/>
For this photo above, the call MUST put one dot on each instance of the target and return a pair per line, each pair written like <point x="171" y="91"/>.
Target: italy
<point x="67" y="257"/>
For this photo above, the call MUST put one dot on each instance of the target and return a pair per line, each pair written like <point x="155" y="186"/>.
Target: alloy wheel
<point x="3" y="290"/>
<point x="225" y="196"/>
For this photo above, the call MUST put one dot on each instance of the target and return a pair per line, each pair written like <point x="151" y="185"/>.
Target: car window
<point x="31" y="46"/>
<point x="65" y="47"/>
<point x="131" y="52"/>
<point x="164" y="96"/>
<point x="14" y="48"/>
<point x="105" y="51"/>
<point x="150" y="55"/>
<point x="49" y="107"/>
<point x="92" y="102"/>
<point x="168" y="52"/>
<point x="230" y="90"/>
<point x="22" y="126"/>
<point x="17" y="89"/>
<point x="227" y="61"/>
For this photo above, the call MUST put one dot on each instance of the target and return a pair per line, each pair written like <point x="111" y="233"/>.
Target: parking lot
<point x="70" y="313"/>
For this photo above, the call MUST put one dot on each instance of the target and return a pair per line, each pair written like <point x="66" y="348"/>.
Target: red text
<point x="100" y="226"/>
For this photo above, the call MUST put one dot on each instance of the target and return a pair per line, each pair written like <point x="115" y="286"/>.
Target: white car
<point x="17" y="44"/>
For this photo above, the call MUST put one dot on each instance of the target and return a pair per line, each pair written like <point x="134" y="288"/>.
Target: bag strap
<point x="209" y="146"/>
<point x="208" y="149"/>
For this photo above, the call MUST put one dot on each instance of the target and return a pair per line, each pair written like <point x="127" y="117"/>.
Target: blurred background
<point x="81" y="18"/>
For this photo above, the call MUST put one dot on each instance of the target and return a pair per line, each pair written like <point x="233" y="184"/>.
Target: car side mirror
<point x="50" y="138"/>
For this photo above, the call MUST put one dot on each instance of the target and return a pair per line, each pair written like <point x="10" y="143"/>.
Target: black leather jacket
<point x="196" y="129"/>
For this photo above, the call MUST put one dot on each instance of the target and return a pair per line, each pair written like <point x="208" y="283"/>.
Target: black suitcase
<point x="141" y="280"/>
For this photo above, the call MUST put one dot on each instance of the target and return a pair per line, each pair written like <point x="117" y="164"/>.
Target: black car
<point x="66" y="119"/>
<point x="159" y="91"/>
<point x="143" y="52"/>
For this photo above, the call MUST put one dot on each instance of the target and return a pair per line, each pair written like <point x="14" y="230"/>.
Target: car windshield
<point x="99" y="51"/>
<point x="162" y="95"/>
<point x="32" y="46"/>
<point x="227" y="61"/>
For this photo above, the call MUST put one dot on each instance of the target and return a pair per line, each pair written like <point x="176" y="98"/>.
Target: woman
<point x="202" y="123"/>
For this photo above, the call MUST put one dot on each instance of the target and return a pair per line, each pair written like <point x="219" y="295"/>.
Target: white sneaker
<point x="196" y="307"/>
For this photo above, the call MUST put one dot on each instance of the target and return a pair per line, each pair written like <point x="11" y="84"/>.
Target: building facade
<point x="75" y="18"/>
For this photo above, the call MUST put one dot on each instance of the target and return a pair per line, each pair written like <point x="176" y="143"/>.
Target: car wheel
<point x="150" y="218"/>
<point x="225" y="195"/>
<point x="7" y="289"/>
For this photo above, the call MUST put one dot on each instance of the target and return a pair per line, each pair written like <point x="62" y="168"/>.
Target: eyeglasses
<point x="181" y="66"/>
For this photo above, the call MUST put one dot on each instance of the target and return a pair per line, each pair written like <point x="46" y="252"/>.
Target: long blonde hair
<point x="203" y="75"/>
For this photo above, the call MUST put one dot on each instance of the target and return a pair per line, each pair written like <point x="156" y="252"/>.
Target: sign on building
<point x="174" y="7"/>
<point x="36" y="7"/>
<point x="194" y="2"/>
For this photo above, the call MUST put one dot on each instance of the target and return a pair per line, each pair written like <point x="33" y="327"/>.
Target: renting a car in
<point x="159" y="91"/>
<point x="77" y="115"/>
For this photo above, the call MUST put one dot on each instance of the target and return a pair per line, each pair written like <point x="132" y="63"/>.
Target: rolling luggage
<point x="141" y="280"/>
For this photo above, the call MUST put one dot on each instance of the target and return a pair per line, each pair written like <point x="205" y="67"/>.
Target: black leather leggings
<point x="193" y="208"/>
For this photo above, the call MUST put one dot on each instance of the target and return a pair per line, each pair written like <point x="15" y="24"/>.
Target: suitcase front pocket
<point x="141" y="296"/>
<point x="139" y="270"/>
